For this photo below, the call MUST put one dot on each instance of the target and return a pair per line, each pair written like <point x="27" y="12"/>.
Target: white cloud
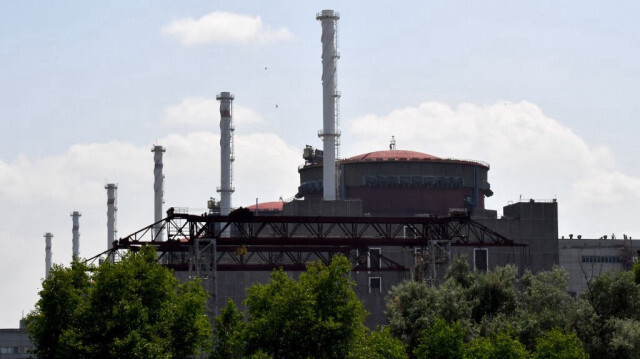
<point x="202" y="113"/>
<point x="221" y="27"/>
<point x="530" y="155"/>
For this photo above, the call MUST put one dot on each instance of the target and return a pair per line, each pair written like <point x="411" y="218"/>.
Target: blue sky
<point x="545" y="91"/>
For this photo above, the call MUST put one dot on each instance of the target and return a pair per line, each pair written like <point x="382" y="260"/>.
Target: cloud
<point x="530" y="154"/>
<point x="38" y="195"/>
<point x="221" y="27"/>
<point x="201" y="113"/>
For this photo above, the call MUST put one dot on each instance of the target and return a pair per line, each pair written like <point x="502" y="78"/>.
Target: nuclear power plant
<point x="396" y="214"/>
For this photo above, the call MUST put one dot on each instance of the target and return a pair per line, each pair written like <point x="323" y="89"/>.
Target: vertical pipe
<point x="111" y="213"/>
<point x="158" y="190"/>
<point x="47" y="258"/>
<point x="329" y="135"/>
<point x="475" y="188"/>
<point x="226" y="151"/>
<point x="75" y="217"/>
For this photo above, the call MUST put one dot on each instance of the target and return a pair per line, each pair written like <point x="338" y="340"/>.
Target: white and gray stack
<point x="330" y="101"/>
<point x="112" y="189"/>
<point x="47" y="258"/>
<point x="75" y="217"/>
<point x="158" y="190"/>
<point x="226" y="152"/>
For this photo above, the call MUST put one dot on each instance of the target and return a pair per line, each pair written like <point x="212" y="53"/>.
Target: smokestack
<point x="158" y="188"/>
<point x="226" y="152"/>
<point x="75" y="217"/>
<point x="47" y="258"/>
<point x="111" y="213"/>
<point x="330" y="96"/>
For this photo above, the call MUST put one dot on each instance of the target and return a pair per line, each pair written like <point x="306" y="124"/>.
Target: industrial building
<point x="396" y="214"/>
<point x="14" y="343"/>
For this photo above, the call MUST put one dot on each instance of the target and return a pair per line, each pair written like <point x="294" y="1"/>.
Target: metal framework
<point x="202" y="244"/>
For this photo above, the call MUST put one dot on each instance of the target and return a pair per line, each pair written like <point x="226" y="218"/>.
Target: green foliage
<point x="131" y="309"/>
<point x="607" y="316"/>
<point x="495" y="291"/>
<point x="441" y="341"/>
<point x="379" y="344"/>
<point x="505" y="346"/>
<point x="500" y="346"/>
<point x="460" y="272"/>
<point x="411" y="309"/>
<point x="557" y="345"/>
<point x="228" y="341"/>
<point x="615" y="294"/>
<point x="485" y="305"/>
<point x="480" y="348"/>
<point x="636" y="272"/>
<point x="50" y="325"/>
<point x="317" y="316"/>
<point x="545" y="304"/>
<point x="625" y="338"/>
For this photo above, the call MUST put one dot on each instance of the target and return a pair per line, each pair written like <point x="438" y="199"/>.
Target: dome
<point x="267" y="206"/>
<point x="393" y="155"/>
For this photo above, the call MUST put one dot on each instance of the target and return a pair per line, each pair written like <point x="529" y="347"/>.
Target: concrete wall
<point x="15" y="343"/>
<point x="586" y="259"/>
<point x="534" y="223"/>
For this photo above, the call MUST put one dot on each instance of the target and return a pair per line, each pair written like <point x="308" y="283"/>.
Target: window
<point x="374" y="261"/>
<point x="481" y="259"/>
<point x="602" y="259"/>
<point x="375" y="285"/>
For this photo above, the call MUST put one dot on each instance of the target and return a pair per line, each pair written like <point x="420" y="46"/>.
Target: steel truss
<point x="243" y="242"/>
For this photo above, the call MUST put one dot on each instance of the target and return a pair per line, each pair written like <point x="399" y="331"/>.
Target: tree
<point x="57" y="311"/>
<point x="441" y="341"/>
<point x="379" y="344"/>
<point x="496" y="292"/>
<point x="614" y="294"/>
<point x="545" y="305"/>
<point x="411" y="308"/>
<point x="228" y="341"/>
<point x="505" y="346"/>
<point x="557" y="345"/>
<point x="134" y="308"/>
<point x="608" y="316"/>
<point x="317" y="316"/>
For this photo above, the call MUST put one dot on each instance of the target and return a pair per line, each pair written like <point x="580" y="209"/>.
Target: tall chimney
<point x="47" y="258"/>
<point x="158" y="188"/>
<point x="330" y="96"/>
<point x="226" y="152"/>
<point x="112" y="190"/>
<point x="75" y="217"/>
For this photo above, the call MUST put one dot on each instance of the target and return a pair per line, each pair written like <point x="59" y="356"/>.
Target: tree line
<point x="135" y="308"/>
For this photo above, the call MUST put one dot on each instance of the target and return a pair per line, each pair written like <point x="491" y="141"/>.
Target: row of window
<point x="413" y="181"/>
<point x="13" y="350"/>
<point x="601" y="259"/>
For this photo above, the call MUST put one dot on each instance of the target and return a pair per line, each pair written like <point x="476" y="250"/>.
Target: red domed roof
<point x="393" y="155"/>
<point x="267" y="206"/>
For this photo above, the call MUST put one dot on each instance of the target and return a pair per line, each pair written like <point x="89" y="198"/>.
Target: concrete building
<point x="586" y="259"/>
<point x="401" y="183"/>
<point x="15" y="343"/>
<point x="397" y="183"/>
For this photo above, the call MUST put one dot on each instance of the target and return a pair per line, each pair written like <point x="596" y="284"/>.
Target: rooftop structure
<point x="404" y="183"/>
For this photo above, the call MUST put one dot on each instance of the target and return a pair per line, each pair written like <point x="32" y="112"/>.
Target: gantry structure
<point x="241" y="241"/>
